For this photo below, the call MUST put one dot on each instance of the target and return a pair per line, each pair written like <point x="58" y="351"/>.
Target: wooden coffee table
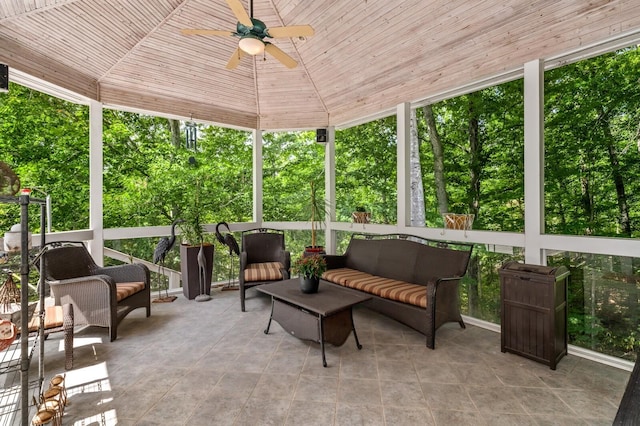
<point x="325" y="316"/>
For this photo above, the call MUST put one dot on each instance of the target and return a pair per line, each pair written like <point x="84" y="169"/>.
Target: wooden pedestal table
<point x="322" y="317"/>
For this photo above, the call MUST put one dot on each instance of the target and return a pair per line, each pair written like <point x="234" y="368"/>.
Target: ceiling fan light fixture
<point x="251" y="45"/>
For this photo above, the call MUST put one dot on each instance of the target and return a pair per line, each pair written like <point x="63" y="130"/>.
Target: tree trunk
<point x="438" y="160"/>
<point x="623" y="206"/>
<point x="417" y="214"/>
<point x="586" y="197"/>
<point x="176" y="139"/>
<point x="475" y="158"/>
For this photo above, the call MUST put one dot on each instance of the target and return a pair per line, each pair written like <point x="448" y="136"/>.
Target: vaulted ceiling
<point x="366" y="56"/>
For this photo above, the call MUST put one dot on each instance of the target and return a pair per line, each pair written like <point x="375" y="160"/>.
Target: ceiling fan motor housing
<point x="259" y="29"/>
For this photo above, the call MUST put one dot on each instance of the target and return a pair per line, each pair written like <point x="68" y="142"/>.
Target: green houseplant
<point x="318" y="211"/>
<point x="195" y="253"/>
<point x="361" y="215"/>
<point x="310" y="268"/>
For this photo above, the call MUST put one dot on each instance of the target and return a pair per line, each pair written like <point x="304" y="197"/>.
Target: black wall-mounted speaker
<point x="4" y="78"/>
<point x="321" y="135"/>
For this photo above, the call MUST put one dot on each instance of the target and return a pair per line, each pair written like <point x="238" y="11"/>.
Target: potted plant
<point x="318" y="210"/>
<point x="361" y="215"/>
<point x="310" y="269"/>
<point x="196" y="254"/>
<point x="454" y="220"/>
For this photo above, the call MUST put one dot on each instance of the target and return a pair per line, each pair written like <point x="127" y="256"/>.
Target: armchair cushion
<point x="267" y="271"/>
<point x="124" y="290"/>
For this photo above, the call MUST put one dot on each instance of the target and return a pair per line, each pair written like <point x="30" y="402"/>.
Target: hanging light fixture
<point x="191" y="134"/>
<point x="251" y="44"/>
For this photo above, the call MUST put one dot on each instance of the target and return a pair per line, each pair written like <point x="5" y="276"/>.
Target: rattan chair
<point x="101" y="296"/>
<point x="263" y="259"/>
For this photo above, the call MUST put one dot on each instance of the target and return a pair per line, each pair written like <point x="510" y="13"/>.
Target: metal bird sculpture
<point x="164" y="246"/>
<point x="202" y="275"/>
<point x="229" y="241"/>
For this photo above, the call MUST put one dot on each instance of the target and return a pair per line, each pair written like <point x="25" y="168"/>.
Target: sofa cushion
<point x="124" y="290"/>
<point x="387" y="288"/>
<point x="266" y="271"/>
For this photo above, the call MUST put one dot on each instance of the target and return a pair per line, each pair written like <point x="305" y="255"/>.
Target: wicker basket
<point x="13" y="313"/>
<point x="361" y="217"/>
<point x="458" y="221"/>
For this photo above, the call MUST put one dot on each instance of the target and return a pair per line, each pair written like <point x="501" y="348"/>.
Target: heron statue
<point x="202" y="275"/>
<point x="229" y="241"/>
<point x="164" y="246"/>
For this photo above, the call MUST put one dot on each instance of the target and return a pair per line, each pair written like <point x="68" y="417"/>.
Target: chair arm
<point x="335" y="261"/>
<point x="134" y="272"/>
<point x="243" y="266"/>
<point x="286" y="261"/>
<point x="93" y="297"/>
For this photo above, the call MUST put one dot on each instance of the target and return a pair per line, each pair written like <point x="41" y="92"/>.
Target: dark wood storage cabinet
<point x="534" y="311"/>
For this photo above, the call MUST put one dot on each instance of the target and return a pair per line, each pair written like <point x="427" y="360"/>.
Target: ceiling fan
<point x="252" y="33"/>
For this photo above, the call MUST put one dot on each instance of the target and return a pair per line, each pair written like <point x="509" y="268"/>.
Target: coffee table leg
<point x="324" y="359"/>
<point x="353" y="328"/>
<point x="266" y="331"/>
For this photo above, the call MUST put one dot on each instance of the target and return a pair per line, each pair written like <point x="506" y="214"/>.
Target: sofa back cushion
<point x="405" y="260"/>
<point x="440" y="262"/>
<point x="362" y="255"/>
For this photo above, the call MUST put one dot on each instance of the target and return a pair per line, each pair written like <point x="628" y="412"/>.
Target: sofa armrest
<point x="335" y="261"/>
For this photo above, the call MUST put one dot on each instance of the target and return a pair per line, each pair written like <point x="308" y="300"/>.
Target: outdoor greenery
<point x="471" y="160"/>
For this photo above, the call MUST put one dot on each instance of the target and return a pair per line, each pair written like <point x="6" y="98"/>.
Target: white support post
<point x="534" y="161"/>
<point x="96" y="245"/>
<point x="257" y="177"/>
<point x="330" y="189"/>
<point x="403" y="123"/>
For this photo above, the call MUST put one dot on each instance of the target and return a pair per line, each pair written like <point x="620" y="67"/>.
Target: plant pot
<point x="458" y="221"/>
<point x="361" y="217"/>
<point x="310" y="251"/>
<point x="309" y="285"/>
<point x="190" y="269"/>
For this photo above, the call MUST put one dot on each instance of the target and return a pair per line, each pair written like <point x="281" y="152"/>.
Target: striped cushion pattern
<point x="399" y="291"/>
<point x="53" y="318"/>
<point x="267" y="271"/>
<point x="343" y="276"/>
<point x="124" y="290"/>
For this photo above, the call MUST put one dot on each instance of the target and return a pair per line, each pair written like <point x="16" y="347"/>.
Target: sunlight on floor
<point x="89" y="380"/>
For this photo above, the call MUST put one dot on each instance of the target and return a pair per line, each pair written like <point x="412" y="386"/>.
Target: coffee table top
<point x="327" y="300"/>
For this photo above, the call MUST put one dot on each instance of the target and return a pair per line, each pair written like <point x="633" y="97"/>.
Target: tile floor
<point x="207" y="363"/>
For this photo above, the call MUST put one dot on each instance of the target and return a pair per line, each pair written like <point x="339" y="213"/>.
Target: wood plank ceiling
<point x="366" y="55"/>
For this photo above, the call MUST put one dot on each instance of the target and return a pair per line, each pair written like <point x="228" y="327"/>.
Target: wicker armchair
<point x="263" y="259"/>
<point x="101" y="296"/>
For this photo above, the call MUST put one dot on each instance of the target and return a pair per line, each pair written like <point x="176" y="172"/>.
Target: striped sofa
<point x="412" y="279"/>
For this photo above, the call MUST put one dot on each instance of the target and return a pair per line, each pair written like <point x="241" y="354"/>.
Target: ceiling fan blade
<point x="291" y="31"/>
<point x="234" y="60"/>
<point x="275" y="51"/>
<point x="238" y="9"/>
<point x="195" y="31"/>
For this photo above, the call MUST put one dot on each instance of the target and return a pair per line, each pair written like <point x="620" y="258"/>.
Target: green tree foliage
<point x="366" y="170"/>
<point x="46" y="142"/>
<point x="495" y="194"/>
<point x="592" y="116"/>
